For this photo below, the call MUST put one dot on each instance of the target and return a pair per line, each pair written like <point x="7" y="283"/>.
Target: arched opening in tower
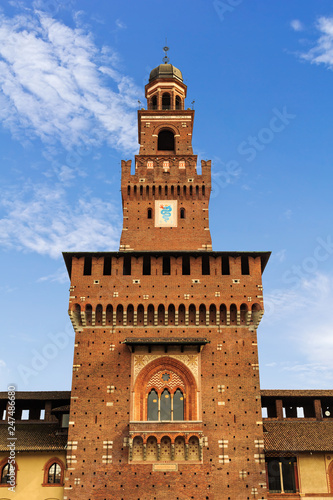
<point x="166" y="141"/>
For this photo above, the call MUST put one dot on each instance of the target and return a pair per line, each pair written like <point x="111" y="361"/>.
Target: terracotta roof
<point x="38" y="395"/>
<point x="276" y="393"/>
<point x="34" y="437"/>
<point x="298" y="436"/>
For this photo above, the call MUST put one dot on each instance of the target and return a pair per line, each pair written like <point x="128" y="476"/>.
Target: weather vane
<point x="166" y="48"/>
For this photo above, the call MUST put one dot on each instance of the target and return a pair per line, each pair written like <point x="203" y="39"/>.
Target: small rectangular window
<point x="186" y="268"/>
<point x="25" y="415"/>
<point x="65" y="420"/>
<point x="107" y="266"/>
<point x="245" y="264"/>
<point x="87" y="265"/>
<point x="166" y="266"/>
<point x="127" y="265"/>
<point x="225" y="265"/>
<point x="146" y="268"/>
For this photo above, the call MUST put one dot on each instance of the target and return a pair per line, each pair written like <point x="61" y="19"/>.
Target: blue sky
<point x="71" y="75"/>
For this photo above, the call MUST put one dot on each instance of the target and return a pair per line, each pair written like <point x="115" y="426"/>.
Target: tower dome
<point x="165" y="71"/>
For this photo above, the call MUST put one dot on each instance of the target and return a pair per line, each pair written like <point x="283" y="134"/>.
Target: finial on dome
<point x="165" y="58"/>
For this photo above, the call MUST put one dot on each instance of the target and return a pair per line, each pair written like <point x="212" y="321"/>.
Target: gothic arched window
<point x="152" y="405"/>
<point x="178" y="405"/>
<point x="165" y="405"/>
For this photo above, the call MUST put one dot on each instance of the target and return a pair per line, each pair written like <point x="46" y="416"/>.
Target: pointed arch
<point x="149" y="371"/>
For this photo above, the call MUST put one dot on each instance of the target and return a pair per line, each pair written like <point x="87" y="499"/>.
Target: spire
<point x="165" y="58"/>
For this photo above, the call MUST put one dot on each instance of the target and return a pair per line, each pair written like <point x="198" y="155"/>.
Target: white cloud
<point x="2" y="363"/>
<point x="322" y="52"/>
<point x="303" y="319"/>
<point x="297" y="25"/>
<point x="57" y="85"/>
<point x="60" y="276"/>
<point x="120" y="24"/>
<point x="42" y="220"/>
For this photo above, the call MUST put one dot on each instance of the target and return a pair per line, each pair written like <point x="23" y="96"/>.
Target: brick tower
<point x="165" y="400"/>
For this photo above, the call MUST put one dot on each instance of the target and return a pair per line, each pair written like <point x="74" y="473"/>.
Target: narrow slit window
<point x="205" y="265"/>
<point x="127" y="265"/>
<point x="87" y="265"/>
<point x="225" y="265"/>
<point x="186" y="268"/>
<point x="146" y="270"/>
<point x="107" y="266"/>
<point x="166" y="265"/>
<point x="245" y="264"/>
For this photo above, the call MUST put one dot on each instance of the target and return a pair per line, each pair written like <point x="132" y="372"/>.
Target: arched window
<point x="137" y="450"/>
<point x="256" y="314"/>
<point x="233" y="314"/>
<point x="191" y="314"/>
<point x="120" y="315"/>
<point x="88" y="315"/>
<point x="130" y="315"/>
<point x="99" y="315"/>
<point x="171" y="314"/>
<point x="193" y="448"/>
<point x="212" y="314"/>
<point x="154" y="102"/>
<point x="202" y="314"/>
<point x="140" y="315"/>
<point x="179" y="448"/>
<point x="178" y="405"/>
<point x="151" y="452"/>
<point x="5" y="474"/>
<point x="150" y="315"/>
<point x="166" y="141"/>
<point x="152" y="412"/>
<point x="77" y="315"/>
<point x="178" y="102"/>
<point x="243" y="313"/>
<point x="54" y="474"/>
<point x="165" y="405"/>
<point x="8" y="472"/>
<point x="182" y="213"/>
<point x="223" y="314"/>
<point x="181" y="315"/>
<point x="166" y="101"/>
<point x="109" y="314"/>
<point x="165" y="448"/>
<point x="161" y="314"/>
<point x="149" y="213"/>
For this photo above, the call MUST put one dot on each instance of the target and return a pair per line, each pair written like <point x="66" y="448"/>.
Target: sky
<point x="71" y="75"/>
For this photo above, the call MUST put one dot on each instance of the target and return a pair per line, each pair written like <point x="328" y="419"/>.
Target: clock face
<point x="327" y="413"/>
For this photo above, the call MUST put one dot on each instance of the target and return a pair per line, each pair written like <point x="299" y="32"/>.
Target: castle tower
<point x="165" y="203"/>
<point x="165" y="400"/>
